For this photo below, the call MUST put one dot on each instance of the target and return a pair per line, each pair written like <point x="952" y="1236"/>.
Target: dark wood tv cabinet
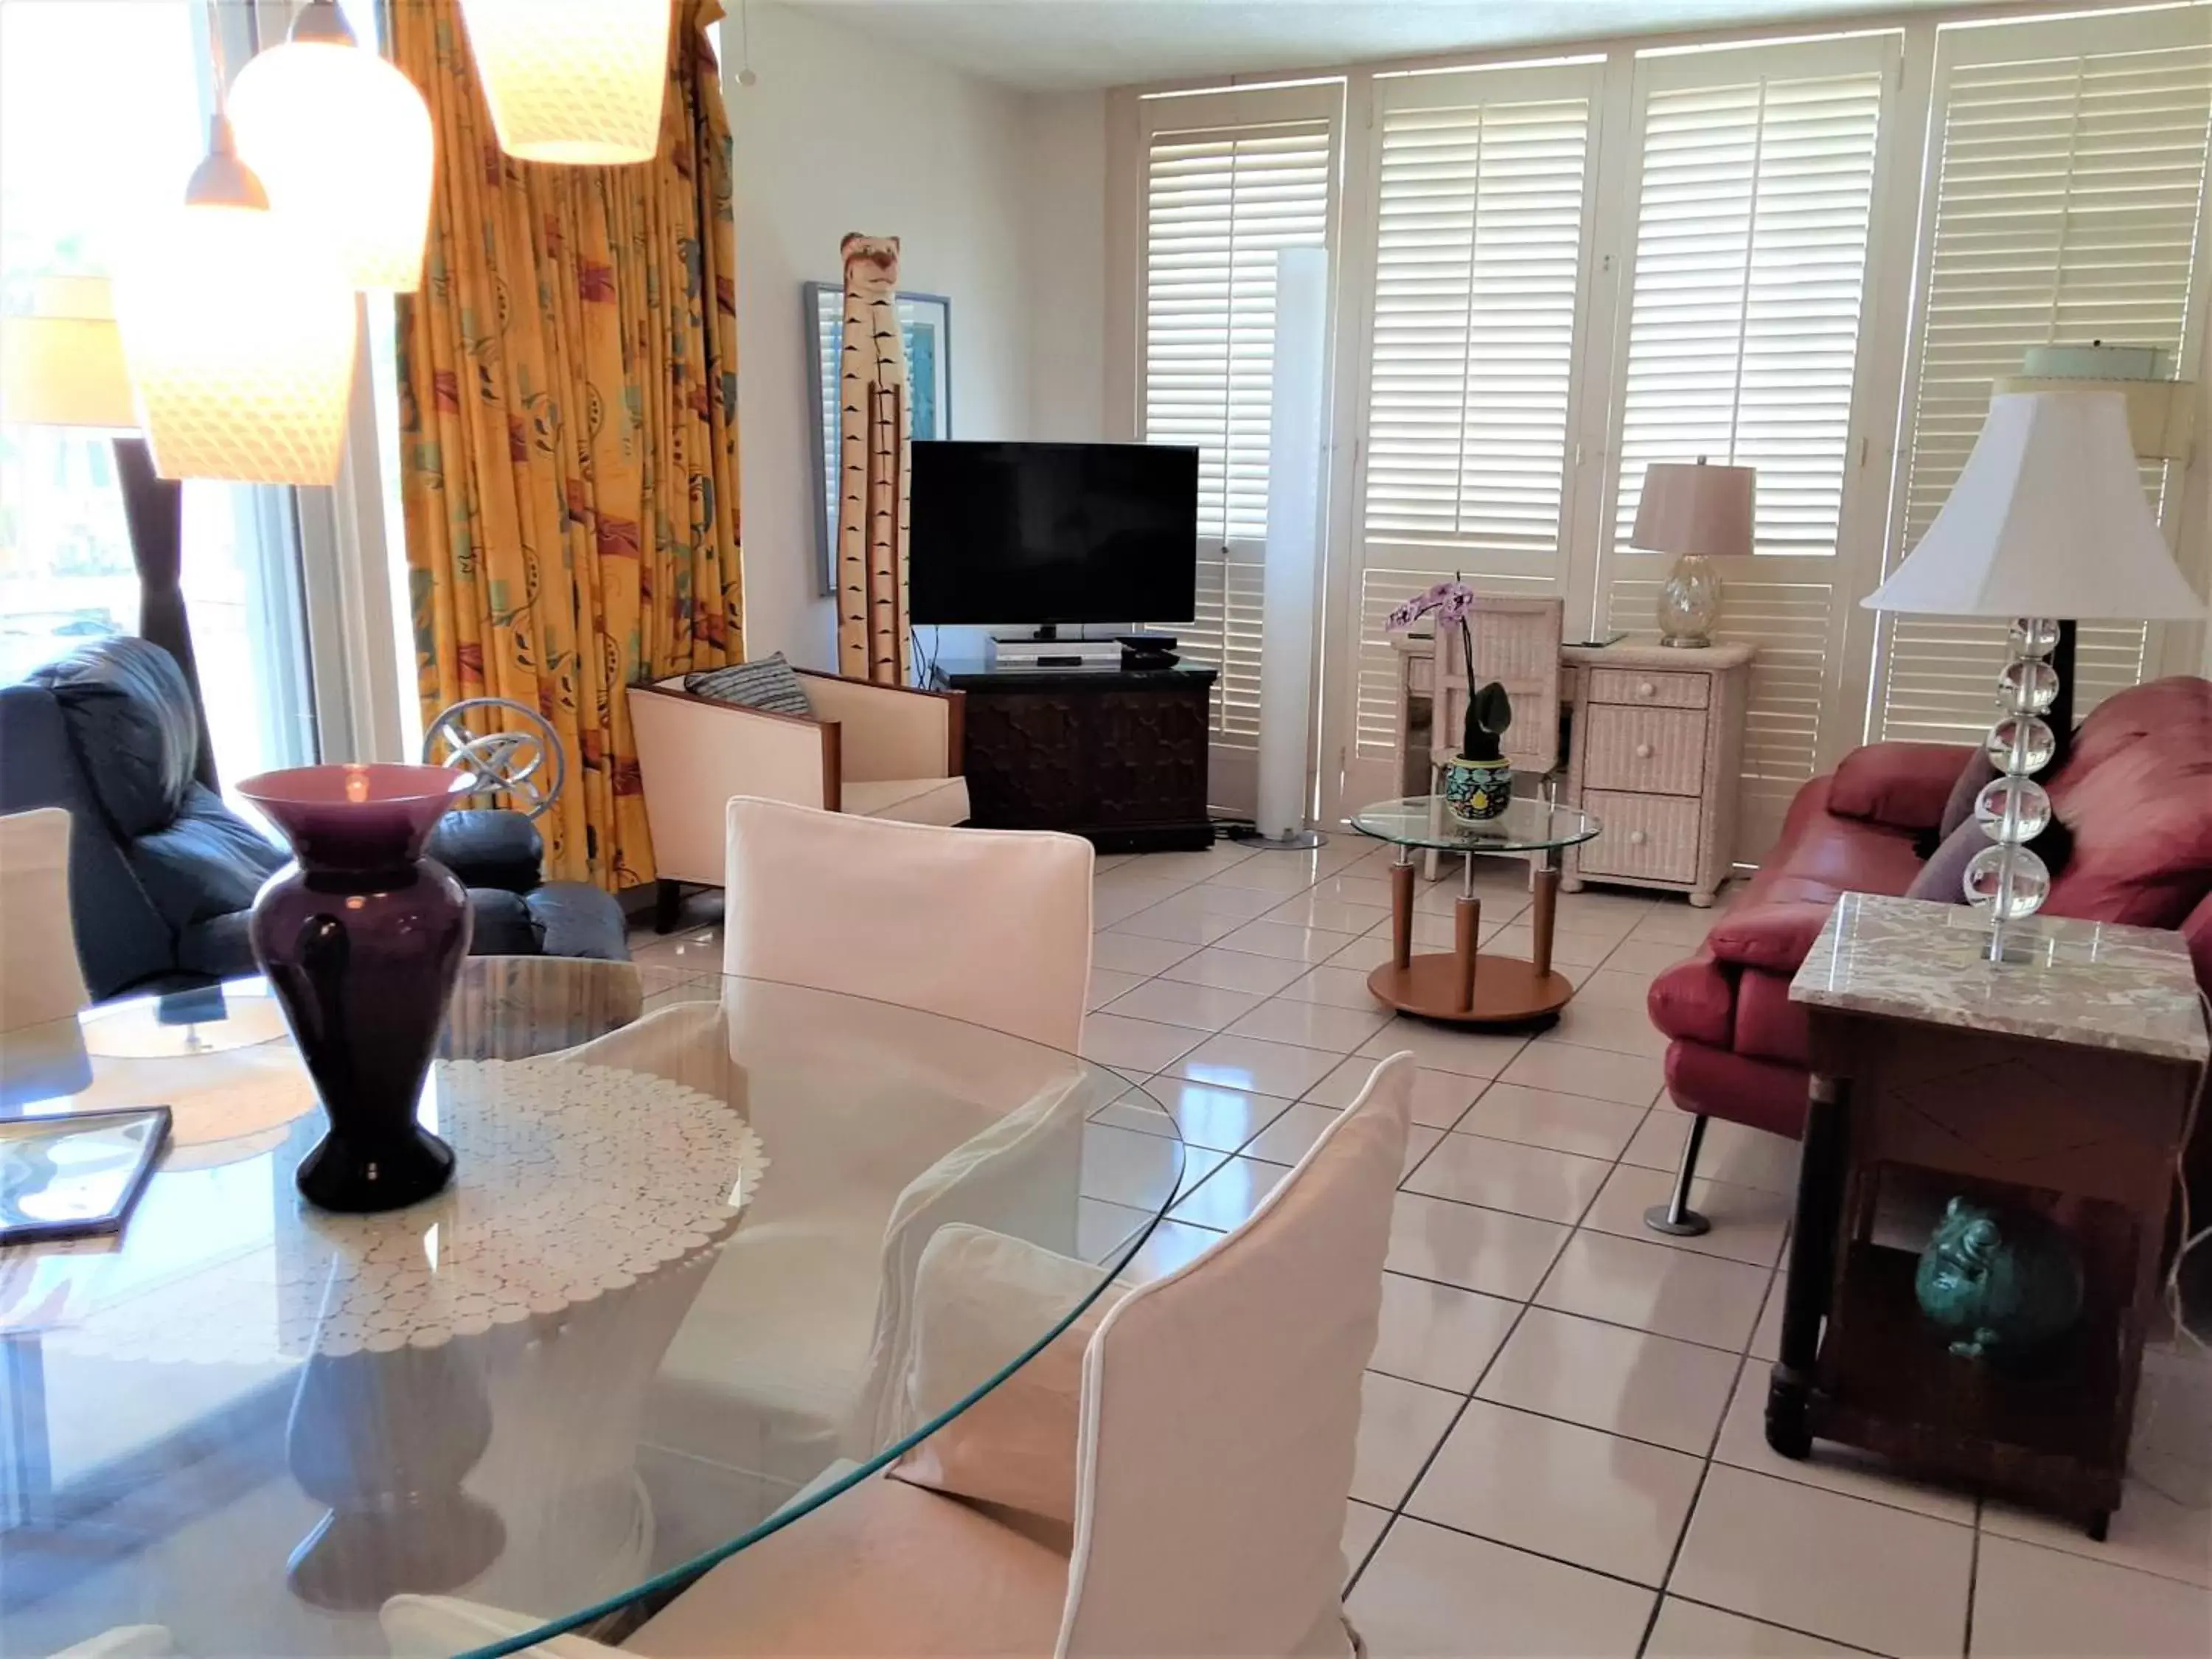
<point x="1114" y="755"/>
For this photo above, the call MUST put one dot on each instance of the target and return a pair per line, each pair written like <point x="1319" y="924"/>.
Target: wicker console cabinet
<point x="1656" y="755"/>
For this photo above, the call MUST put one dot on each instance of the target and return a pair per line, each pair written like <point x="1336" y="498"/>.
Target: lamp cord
<point x="2201" y="1497"/>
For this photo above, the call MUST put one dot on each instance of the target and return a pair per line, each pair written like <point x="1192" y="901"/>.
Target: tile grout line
<point x="1489" y="1364"/>
<point x="1698" y="1494"/>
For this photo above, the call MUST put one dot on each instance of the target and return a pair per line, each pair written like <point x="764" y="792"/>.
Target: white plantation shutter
<point x="1230" y="179"/>
<point x="2070" y="175"/>
<point x="1741" y="342"/>
<point x="1482" y="205"/>
<point x="1750" y="250"/>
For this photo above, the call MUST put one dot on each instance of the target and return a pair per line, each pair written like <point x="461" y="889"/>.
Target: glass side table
<point x="1465" y="986"/>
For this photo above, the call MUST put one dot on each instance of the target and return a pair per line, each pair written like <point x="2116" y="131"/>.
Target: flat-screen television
<point x="1023" y="533"/>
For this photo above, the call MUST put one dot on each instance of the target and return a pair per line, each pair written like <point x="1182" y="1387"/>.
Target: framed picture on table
<point x="925" y="320"/>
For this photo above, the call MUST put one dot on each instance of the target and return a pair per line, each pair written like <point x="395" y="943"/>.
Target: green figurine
<point x="2002" y="1290"/>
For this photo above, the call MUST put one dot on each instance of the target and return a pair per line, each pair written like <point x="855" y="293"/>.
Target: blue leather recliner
<point x="162" y="874"/>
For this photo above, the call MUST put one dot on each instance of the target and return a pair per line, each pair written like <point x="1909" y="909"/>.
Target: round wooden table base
<point x="1507" y="990"/>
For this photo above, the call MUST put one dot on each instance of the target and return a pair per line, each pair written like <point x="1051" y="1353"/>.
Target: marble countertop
<point x="2092" y="983"/>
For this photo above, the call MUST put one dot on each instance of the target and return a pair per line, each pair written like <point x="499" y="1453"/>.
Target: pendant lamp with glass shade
<point x="239" y="332"/>
<point x="574" y="81"/>
<point x="342" y="141"/>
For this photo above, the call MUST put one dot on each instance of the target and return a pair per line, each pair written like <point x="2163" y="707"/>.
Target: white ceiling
<point x="1061" y="45"/>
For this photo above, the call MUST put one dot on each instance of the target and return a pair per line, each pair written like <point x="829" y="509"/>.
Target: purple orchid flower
<point x="1450" y="602"/>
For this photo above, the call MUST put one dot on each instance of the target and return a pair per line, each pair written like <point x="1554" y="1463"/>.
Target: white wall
<point x="1064" y="215"/>
<point x="842" y="133"/>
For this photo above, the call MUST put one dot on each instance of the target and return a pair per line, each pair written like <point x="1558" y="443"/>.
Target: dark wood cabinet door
<point x="1024" y="753"/>
<point x="1147" y="757"/>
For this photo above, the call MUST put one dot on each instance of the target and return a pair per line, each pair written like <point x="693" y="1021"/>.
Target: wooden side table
<point x="1468" y="986"/>
<point x="2062" y="1084"/>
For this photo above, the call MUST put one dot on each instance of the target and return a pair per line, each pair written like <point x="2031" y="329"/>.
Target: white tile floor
<point x="1561" y="1450"/>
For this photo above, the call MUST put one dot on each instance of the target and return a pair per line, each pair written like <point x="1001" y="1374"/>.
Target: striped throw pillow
<point x="770" y="684"/>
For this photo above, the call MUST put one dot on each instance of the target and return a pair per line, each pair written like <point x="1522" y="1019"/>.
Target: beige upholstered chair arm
<point x="890" y="732"/>
<point x="694" y="754"/>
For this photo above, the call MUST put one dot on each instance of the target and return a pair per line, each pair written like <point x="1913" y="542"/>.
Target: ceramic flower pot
<point x="1476" y="790"/>
<point x="361" y="937"/>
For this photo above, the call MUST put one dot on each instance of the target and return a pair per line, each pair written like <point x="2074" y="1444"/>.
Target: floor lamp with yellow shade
<point x="63" y="366"/>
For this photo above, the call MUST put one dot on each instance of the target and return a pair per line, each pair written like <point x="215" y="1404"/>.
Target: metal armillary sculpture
<point x="525" y="764"/>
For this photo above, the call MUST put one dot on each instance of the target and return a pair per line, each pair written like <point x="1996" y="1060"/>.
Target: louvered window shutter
<point x="1483" y="202"/>
<point x="1230" y="179"/>
<point x="1742" y="342"/>
<point x="2067" y="198"/>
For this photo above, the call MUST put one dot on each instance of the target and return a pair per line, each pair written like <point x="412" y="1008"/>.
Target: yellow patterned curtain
<point x="569" y="426"/>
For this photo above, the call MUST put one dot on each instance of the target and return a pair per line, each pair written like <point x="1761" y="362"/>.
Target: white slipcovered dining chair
<point x="1209" y="1440"/>
<point x="39" y="978"/>
<point x="988" y="925"/>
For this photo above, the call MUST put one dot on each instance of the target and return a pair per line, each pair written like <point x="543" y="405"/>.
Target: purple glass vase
<point x="361" y="937"/>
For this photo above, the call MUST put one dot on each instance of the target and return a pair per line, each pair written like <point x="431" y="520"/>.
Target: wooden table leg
<point x="1467" y="929"/>
<point x="1402" y="913"/>
<point x="1812" y="1264"/>
<point x="1545" y="913"/>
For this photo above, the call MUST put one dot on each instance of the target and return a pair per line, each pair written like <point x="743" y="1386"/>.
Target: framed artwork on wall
<point x="925" y="319"/>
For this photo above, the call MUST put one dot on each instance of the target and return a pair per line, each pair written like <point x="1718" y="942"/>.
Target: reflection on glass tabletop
<point x="668" y="1298"/>
<point x="1527" y="825"/>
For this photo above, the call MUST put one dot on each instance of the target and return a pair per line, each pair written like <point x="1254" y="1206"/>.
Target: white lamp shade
<point x="341" y="140"/>
<point x="62" y="364"/>
<point x="1695" y="509"/>
<point x="574" y="81"/>
<point x="239" y="332"/>
<point x="2048" y="519"/>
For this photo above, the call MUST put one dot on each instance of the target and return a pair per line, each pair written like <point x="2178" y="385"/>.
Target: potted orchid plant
<point x="1478" y="781"/>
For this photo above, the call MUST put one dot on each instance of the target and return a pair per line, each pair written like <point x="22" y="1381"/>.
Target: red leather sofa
<point x="2136" y="790"/>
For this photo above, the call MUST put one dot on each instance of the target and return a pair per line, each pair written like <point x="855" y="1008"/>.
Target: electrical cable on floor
<point x="2201" y="1497"/>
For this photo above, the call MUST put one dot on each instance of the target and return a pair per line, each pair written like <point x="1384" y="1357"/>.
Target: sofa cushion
<point x="501" y="925"/>
<point x="1761" y="1094"/>
<point x="489" y="848"/>
<point x="1694" y="999"/>
<point x="768" y="684"/>
<point x="1903" y="785"/>
<point x="575" y="919"/>
<point x="130" y="718"/>
<point x="1772" y="937"/>
<point x="205" y="862"/>
<point x="2134" y="793"/>
<point x="1942" y="879"/>
<point x="942" y="801"/>
<point x="1768" y="1025"/>
<point x="1974" y="777"/>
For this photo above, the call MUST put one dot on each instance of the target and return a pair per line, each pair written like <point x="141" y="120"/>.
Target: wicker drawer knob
<point x="1644" y="752"/>
<point x="1636" y="838"/>
<point x="1644" y="688"/>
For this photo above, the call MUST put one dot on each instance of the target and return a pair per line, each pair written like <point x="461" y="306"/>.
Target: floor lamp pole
<point x="1295" y="443"/>
<point x="153" y="508"/>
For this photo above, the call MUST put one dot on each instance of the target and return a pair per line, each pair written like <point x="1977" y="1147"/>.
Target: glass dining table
<point x="663" y="1308"/>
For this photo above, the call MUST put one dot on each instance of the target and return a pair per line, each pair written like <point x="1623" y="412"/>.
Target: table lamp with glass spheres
<point x="2047" y="523"/>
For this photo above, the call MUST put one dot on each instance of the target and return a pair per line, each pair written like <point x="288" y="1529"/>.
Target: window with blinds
<point x="1743" y="332"/>
<point x="1220" y="202"/>
<point x="2069" y="181"/>
<point x="1741" y="342"/>
<point x="1230" y="181"/>
<point x="1482" y="214"/>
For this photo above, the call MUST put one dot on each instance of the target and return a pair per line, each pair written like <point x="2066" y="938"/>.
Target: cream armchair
<point x="878" y="751"/>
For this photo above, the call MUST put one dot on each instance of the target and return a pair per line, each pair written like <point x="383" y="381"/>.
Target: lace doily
<point x="570" y="1181"/>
